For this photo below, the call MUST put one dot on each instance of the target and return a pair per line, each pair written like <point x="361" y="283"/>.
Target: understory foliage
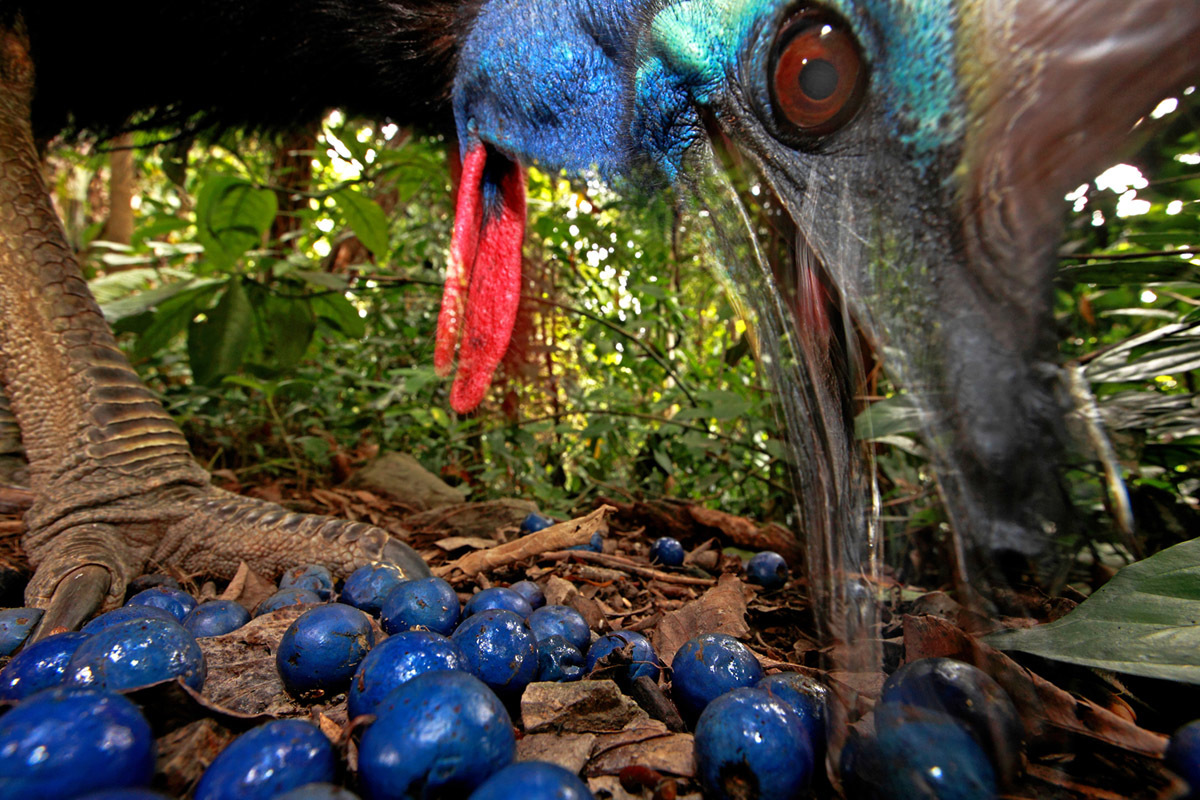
<point x="282" y="296"/>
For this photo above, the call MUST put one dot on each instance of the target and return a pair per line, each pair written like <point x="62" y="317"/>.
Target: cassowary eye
<point x="817" y="74"/>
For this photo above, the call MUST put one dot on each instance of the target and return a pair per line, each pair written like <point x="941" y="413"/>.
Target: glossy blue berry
<point x="667" y="550"/>
<point x="749" y="744"/>
<point x="65" y="742"/>
<point x="595" y="544"/>
<point x="176" y="601"/>
<point x="809" y="698"/>
<point x="15" y="626"/>
<point x="561" y="621"/>
<point x="422" y="603"/>
<point x="768" y="570"/>
<point x="41" y="665"/>
<point x="287" y="597"/>
<point x="630" y="652"/>
<point x="397" y="660"/>
<point x="535" y="522"/>
<point x="441" y="734"/>
<point x="321" y="650"/>
<point x="267" y="761"/>
<point x="970" y="695"/>
<point x="500" y="650"/>
<point x="497" y="597"/>
<point x="531" y="592"/>
<point x="368" y="585"/>
<point x="215" y="618"/>
<point x="314" y="577"/>
<point x="126" y="614"/>
<point x="559" y="660"/>
<point x="706" y="667"/>
<point x="126" y="793"/>
<point x="1182" y="757"/>
<point x="135" y="654"/>
<point x="533" y="780"/>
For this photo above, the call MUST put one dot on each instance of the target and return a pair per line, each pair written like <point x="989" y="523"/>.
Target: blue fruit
<point x="313" y="577"/>
<point x="215" y="618"/>
<point x="500" y="650"/>
<point x="15" y="626"/>
<point x="439" y="735"/>
<point x="629" y="652"/>
<point x="321" y="650"/>
<point x="317" y="791"/>
<point x="177" y="601"/>
<point x="497" y="597"/>
<point x="750" y="744"/>
<point x="137" y="653"/>
<point x="531" y="592"/>
<point x="41" y="665"/>
<point x="423" y="603"/>
<point x="809" y="698"/>
<point x="561" y="621"/>
<point x="126" y="614"/>
<point x="970" y="695"/>
<point x="128" y="793"/>
<point x="368" y="585"/>
<point x="397" y="660"/>
<point x="1183" y="754"/>
<point x="706" y="667"/>
<point x="62" y="743"/>
<point x="287" y="597"/>
<point x="559" y="660"/>
<point x="268" y="760"/>
<point x="667" y="551"/>
<point x="768" y="570"/>
<point x="595" y="544"/>
<point x="533" y="780"/>
<point x="535" y="522"/>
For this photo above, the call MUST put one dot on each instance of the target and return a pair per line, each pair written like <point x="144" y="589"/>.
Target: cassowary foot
<point x="85" y="565"/>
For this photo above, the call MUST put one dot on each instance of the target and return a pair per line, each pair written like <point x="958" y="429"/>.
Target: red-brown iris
<point x="817" y="73"/>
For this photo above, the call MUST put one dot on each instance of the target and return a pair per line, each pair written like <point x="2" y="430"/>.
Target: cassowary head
<point x="922" y="147"/>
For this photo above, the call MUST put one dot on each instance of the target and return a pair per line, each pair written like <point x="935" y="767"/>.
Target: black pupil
<point x="818" y="79"/>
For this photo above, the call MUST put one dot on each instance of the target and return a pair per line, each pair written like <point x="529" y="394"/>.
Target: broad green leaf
<point x="172" y="315"/>
<point x="888" y="417"/>
<point x="366" y="219"/>
<point x="340" y="313"/>
<point x="218" y="344"/>
<point x="1145" y="621"/>
<point x="290" y="323"/>
<point x="231" y="217"/>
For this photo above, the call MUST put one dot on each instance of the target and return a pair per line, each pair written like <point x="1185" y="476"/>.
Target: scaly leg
<point x="115" y="484"/>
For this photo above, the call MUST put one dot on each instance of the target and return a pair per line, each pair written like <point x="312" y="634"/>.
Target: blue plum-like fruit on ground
<point x="39" y="666"/>
<point x="629" y="652"/>
<point x="668" y="551"/>
<point x="267" y="761"/>
<point x="137" y="653"/>
<point x="706" y="667"/>
<point x="750" y="745"/>
<point x="559" y="660"/>
<point x="500" y="650"/>
<point x="535" y="522"/>
<point x="809" y="698"/>
<point x="126" y="614"/>
<point x="532" y="593"/>
<point x="15" y="626"/>
<point x="168" y="598"/>
<point x="294" y="596"/>
<point x="497" y="597"/>
<point x="561" y="621"/>
<point x="65" y="742"/>
<point x="397" y="660"/>
<point x="314" y="577"/>
<point x="533" y="780"/>
<point x="422" y="603"/>
<point x="321" y="650"/>
<point x="1182" y="756"/>
<point x="441" y="734"/>
<point x="215" y="618"/>
<point x="768" y="570"/>
<point x="368" y="585"/>
<point x="594" y="544"/>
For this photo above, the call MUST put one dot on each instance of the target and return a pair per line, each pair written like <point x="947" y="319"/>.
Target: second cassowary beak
<point x="922" y="147"/>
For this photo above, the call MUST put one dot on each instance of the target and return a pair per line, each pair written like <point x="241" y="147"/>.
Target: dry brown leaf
<point x="722" y="609"/>
<point x="672" y="754"/>
<point x="556" y="537"/>
<point x="248" y="588"/>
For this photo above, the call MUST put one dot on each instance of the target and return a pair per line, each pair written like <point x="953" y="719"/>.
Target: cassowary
<point x="921" y="146"/>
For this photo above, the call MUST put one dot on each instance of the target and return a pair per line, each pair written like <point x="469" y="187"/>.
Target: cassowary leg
<point x="115" y="485"/>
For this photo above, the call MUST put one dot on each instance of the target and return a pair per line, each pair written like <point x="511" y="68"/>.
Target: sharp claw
<point x="76" y="598"/>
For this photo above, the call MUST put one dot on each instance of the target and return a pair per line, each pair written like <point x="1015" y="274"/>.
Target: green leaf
<point x="218" y="344"/>
<point x="888" y="417"/>
<point x="231" y="217"/>
<point x="1145" y="621"/>
<point x="366" y="219"/>
<point x="171" y="316"/>
<point x="341" y="314"/>
<point x="290" y="325"/>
